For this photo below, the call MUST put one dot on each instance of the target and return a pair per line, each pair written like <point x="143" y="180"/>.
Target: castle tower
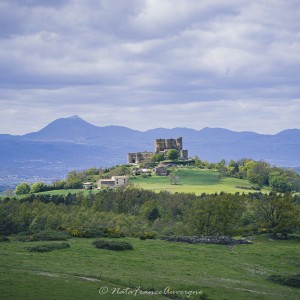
<point x="160" y="145"/>
<point x="169" y="144"/>
<point x="179" y="143"/>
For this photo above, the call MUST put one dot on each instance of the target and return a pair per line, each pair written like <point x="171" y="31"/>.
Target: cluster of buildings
<point x="161" y="146"/>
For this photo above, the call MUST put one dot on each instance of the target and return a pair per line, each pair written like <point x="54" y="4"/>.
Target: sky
<point x="145" y="64"/>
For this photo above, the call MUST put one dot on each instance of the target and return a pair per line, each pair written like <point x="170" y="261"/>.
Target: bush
<point x="275" y="236"/>
<point x="293" y="281"/>
<point x="22" y="189"/>
<point x="38" y="187"/>
<point x="4" y="238"/>
<point x="48" y="247"/>
<point x="92" y="232"/>
<point x="256" y="187"/>
<point x="112" y="245"/>
<point x="147" y="235"/>
<point x="23" y="237"/>
<point x="49" y="235"/>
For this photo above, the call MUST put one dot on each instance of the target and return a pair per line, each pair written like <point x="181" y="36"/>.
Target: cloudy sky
<point x="150" y="63"/>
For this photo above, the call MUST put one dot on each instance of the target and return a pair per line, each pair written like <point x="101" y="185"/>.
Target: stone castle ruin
<point x="139" y="157"/>
<point x="161" y="146"/>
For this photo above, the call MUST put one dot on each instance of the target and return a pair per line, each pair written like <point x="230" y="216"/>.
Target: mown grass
<point x="195" y="181"/>
<point x="221" y="273"/>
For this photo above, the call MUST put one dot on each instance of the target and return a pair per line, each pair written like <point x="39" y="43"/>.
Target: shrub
<point x="147" y="235"/>
<point x="22" y="237"/>
<point x="22" y="189"/>
<point x="112" y="245"/>
<point x="48" y="247"/>
<point x="255" y="187"/>
<point x="4" y="238"/>
<point x="114" y="233"/>
<point x="293" y="280"/>
<point x="49" y="235"/>
<point x="92" y="232"/>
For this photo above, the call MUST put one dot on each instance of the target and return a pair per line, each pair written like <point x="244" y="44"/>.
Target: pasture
<point x="192" y="180"/>
<point x="80" y="271"/>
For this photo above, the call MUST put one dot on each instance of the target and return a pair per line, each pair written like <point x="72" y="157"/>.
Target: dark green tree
<point x="233" y="168"/>
<point x="258" y="172"/>
<point x="157" y="157"/>
<point x="216" y="215"/>
<point x="277" y="213"/>
<point x="172" y="154"/>
<point x="38" y="187"/>
<point x="280" y="183"/>
<point x="74" y="180"/>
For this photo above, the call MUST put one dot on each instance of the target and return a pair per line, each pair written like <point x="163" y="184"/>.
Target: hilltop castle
<point x="161" y="146"/>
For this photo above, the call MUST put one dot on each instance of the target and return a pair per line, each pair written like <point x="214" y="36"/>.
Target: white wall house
<point x="120" y="180"/>
<point x="115" y="181"/>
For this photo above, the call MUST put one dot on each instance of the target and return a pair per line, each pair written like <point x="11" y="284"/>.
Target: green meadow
<point x="194" y="181"/>
<point x="63" y="192"/>
<point x="80" y="271"/>
<point x="191" y="180"/>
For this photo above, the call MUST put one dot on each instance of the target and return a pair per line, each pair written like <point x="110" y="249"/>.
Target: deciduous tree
<point x="22" y="189"/>
<point x="172" y="154"/>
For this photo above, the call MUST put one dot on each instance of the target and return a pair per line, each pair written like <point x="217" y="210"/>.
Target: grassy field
<point x="59" y="192"/>
<point x="195" y="181"/>
<point x="71" y="191"/>
<point x="192" y="180"/>
<point x="79" y="271"/>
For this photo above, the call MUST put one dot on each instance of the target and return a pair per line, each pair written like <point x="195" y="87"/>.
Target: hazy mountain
<point x="76" y="130"/>
<point x="72" y="143"/>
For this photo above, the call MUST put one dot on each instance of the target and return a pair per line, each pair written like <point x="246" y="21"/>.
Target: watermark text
<point x="137" y="291"/>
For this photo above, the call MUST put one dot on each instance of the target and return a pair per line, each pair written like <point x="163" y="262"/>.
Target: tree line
<point x="135" y="212"/>
<point x="259" y="173"/>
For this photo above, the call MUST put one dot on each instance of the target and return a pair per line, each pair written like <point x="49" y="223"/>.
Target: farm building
<point x="88" y="185"/>
<point x="161" y="170"/>
<point x="115" y="181"/>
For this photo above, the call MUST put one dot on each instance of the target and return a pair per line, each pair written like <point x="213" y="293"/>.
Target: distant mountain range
<point x="72" y="143"/>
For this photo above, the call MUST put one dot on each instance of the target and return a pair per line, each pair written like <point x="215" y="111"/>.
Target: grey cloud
<point x="46" y="3"/>
<point x="163" y="52"/>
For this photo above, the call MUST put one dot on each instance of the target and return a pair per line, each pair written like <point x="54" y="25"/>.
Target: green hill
<point x="193" y="180"/>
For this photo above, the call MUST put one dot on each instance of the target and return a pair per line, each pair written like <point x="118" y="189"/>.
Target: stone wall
<point x="161" y="146"/>
<point x="167" y="144"/>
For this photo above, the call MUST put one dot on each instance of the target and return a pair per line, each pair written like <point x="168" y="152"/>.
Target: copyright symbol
<point x="103" y="290"/>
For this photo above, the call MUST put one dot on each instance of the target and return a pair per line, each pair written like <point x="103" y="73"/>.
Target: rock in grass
<point x="220" y="240"/>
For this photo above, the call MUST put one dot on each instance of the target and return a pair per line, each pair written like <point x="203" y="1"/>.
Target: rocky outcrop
<point x="220" y="240"/>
